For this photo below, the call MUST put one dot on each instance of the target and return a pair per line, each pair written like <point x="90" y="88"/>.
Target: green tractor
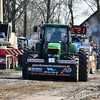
<point x="55" y="55"/>
<point x="22" y="42"/>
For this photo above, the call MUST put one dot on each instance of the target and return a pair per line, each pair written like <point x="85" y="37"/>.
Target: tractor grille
<point x="53" y="51"/>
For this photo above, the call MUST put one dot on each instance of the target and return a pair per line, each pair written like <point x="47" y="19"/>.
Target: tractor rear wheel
<point x="83" y="64"/>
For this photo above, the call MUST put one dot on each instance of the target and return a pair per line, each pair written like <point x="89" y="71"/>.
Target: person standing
<point x="98" y="61"/>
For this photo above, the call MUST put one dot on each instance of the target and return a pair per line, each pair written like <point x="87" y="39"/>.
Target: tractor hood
<point x="54" y="51"/>
<point x="54" y="46"/>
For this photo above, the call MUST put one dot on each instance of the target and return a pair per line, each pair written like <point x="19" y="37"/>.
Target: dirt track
<point x="13" y="87"/>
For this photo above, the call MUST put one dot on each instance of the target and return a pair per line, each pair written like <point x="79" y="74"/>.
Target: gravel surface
<point x="13" y="87"/>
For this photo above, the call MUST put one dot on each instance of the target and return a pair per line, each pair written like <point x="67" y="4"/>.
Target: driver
<point x="75" y="38"/>
<point x="56" y="35"/>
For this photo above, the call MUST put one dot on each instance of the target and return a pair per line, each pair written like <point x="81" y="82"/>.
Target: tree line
<point x="25" y="14"/>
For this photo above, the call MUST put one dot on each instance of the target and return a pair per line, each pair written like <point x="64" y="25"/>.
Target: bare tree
<point x="70" y="5"/>
<point x="47" y="9"/>
<point x="13" y="9"/>
<point x="52" y="11"/>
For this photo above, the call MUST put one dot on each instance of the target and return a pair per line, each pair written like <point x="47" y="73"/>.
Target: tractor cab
<point x="55" y="38"/>
<point x="22" y="42"/>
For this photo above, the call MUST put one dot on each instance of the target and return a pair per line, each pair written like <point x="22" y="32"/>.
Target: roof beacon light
<point x="42" y="21"/>
<point x="70" y="22"/>
<point x="88" y="26"/>
<point x="85" y="23"/>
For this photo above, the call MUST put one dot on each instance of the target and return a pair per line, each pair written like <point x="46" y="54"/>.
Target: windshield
<point x="53" y="34"/>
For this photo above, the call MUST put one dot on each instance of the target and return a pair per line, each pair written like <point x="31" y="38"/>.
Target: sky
<point x="81" y="18"/>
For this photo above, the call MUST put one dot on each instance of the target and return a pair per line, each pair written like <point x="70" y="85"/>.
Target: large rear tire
<point x="83" y="64"/>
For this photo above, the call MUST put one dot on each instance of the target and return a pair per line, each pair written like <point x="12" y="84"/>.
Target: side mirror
<point x="90" y="38"/>
<point x="35" y="28"/>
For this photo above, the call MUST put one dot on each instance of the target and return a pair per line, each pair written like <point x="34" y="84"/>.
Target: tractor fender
<point x="87" y="47"/>
<point x="73" y="48"/>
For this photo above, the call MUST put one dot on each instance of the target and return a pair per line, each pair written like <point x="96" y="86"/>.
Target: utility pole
<point x="25" y="18"/>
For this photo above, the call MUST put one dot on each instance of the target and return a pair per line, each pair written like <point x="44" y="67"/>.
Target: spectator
<point x="91" y="43"/>
<point x="98" y="60"/>
<point x="97" y="46"/>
